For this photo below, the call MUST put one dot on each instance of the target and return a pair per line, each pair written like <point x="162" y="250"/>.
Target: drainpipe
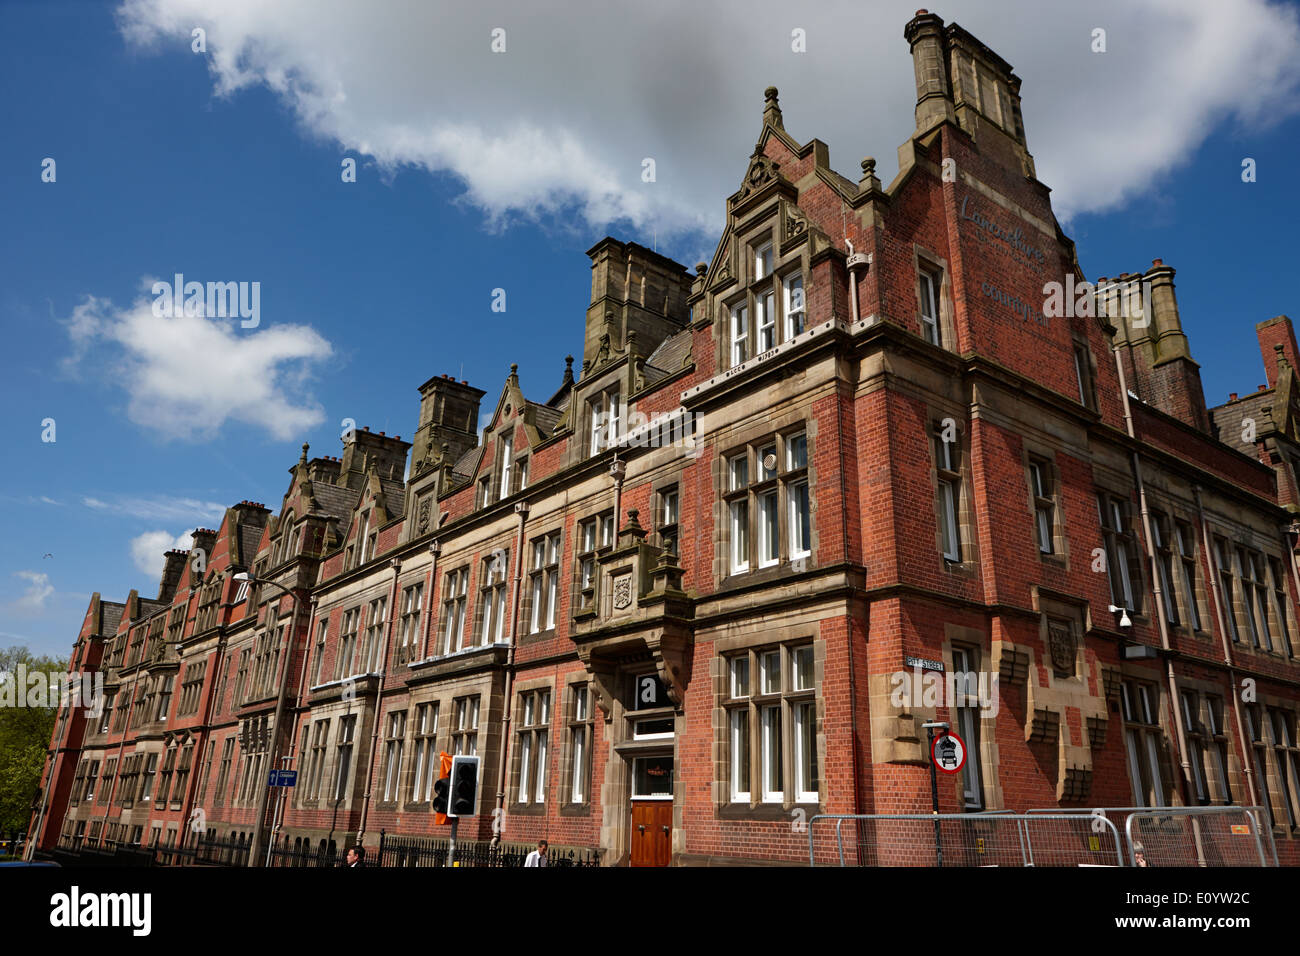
<point x="435" y="549"/>
<point x="396" y="565"/>
<point x="855" y="261"/>
<point x="617" y="469"/>
<point x="1175" y="702"/>
<point x="1227" y="647"/>
<point x="498" y="815"/>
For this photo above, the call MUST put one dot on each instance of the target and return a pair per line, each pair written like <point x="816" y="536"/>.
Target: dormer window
<point x="606" y="425"/>
<point x="771" y="311"/>
<point x="362" y="529"/>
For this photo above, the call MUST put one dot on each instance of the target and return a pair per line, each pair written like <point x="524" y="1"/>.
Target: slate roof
<point x="149" y="606"/>
<point x="667" y="359"/>
<point x="335" y="500"/>
<point x="250" y="536"/>
<point x="467" y="463"/>
<point x="546" y="417"/>
<point x="112" y="617"/>
<point x="394" y="496"/>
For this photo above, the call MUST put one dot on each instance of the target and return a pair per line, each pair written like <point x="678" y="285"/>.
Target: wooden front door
<point x="652" y="832"/>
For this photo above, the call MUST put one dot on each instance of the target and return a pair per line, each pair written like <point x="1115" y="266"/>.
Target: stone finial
<point x="302" y="460"/>
<point x="514" y="369"/>
<point x="868" y="180"/>
<point x="701" y="268"/>
<point x="772" y="108"/>
<point x="568" y="370"/>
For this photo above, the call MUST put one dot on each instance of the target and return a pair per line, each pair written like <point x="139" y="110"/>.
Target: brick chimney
<point x="171" y="576"/>
<point x="1276" y="340"/>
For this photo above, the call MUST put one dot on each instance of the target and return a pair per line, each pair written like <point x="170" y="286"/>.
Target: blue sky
<point x="225" y="166"/>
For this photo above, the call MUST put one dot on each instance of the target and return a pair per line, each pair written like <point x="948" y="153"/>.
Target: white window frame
<point x="739" y="334"/>
<point x="931" y="282"/>
<point x="796" y="305"/>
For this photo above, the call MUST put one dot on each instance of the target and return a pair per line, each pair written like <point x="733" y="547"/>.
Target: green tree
<point x="24" y="736"/>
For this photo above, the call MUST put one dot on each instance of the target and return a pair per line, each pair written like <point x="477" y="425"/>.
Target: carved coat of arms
<point x="1061" y="646"/>
<point x="622" y="592"/>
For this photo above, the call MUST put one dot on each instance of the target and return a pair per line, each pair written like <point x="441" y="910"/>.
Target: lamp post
<point x="279" y="714"/>
<point x="930" y="727"/>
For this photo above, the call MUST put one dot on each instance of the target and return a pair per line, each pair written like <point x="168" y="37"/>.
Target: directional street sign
<point x="948" y="753"/>
<point x="282" y="778"/>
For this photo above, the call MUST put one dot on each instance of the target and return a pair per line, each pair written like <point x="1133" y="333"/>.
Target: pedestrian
<point x="538" y="856"/>
<point x="1139" y="855"/>
<point x="356" y="857"/>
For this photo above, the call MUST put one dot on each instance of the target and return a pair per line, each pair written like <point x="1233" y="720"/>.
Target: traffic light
<point x="464" y="787"/>
<point x="441" y="788"/>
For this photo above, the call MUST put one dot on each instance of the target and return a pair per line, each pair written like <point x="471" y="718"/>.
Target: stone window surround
<point x="658" y="486"/>
<point x="724" y="648"/>
<point x="926" y="260"/>
<point x="1046" y="458"/>
<point x="525" y="620"/>
<point x="1235" y="537"/>
<point x="1170" y="769"/>
<point x="521" y="688"/>
<point x="973" y="641"/>
<point x="751" y="436"/>
<point x="571" y="690"/>
<point x="787" y="258"/>
<point x="1227" y="735"/>
<point x="1138" y="564"/>
<point x="1174" y="516"/>
<point x="965" y="513"/>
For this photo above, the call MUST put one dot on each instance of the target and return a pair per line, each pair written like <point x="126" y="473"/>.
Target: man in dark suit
<point x="356" y="857"/>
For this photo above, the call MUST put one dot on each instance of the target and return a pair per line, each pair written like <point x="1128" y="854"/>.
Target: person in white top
<point x="538" y="856"/>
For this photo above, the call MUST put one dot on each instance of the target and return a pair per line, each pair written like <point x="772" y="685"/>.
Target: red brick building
<point x="671" y="605"/>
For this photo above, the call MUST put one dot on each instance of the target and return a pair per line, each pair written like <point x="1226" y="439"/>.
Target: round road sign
<point x="948" y="753"/>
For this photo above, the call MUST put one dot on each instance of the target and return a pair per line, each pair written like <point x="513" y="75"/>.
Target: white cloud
<point x="38" y="590"/>
<point x="187" y="376"/>
<point x="147" y="549"/>
<point x="158" y="508"/>
<point x="555" y="129"/>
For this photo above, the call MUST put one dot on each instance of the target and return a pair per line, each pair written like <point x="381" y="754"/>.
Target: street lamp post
<point x="279" y="714"/>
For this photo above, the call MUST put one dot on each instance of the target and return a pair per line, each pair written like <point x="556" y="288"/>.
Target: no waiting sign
<point x="948" y="753"/>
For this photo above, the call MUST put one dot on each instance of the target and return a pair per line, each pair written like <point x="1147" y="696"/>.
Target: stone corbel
<point x="1097" y="731"/>
<point x="1110" y="680"/>
<point x="1076" y="784"/>
<point x="602" y="683"/>
<point x="1043" y="725"/>
<point x="672" y="657"/>
<point x="1012" y="663"/>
